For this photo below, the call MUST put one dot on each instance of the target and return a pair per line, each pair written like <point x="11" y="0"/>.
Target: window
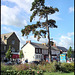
<point x="13" y="41"/>
<point x="40" y="51"/>
<point x="39" y="56"/>
<point x="36" y="56"/>
<point x="37" y="51"/>
<point x="4" y="47"/>
<point x="13" y="49"/>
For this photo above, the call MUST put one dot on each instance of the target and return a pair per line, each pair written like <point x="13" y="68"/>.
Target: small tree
<point x="69" y="53"/>
<point x="8" y="53"/>
<point x="21" y="54"/>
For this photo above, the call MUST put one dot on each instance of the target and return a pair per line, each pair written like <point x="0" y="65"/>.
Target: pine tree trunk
<point x="49" y="45"/>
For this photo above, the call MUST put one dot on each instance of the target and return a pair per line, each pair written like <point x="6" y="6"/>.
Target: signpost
<point x="62" y="57"/>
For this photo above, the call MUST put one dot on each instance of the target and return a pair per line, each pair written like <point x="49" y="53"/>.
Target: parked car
<point x="35" y="62"/>
<point x="8" y="63"/>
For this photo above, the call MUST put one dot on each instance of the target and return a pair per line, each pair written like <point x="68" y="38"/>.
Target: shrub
<point x="21" y="67"/>
<point x="23" y="72"/>
<point x="49" y="67"/>
<point x="5" y="67"/>
<point x="42" y="67"/>
<point x="33" y="66"/>
<point x="43" y="63"/>
<point x="67" y="67"/>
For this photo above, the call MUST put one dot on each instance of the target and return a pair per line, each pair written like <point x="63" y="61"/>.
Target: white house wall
<point x="29" y="52"/>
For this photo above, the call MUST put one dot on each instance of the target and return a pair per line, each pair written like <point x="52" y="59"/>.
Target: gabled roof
<point x="7" y="35"/>
<point x="62" y="48"/>
<point x="2" y="42"/>
<point x="37" y="45"/>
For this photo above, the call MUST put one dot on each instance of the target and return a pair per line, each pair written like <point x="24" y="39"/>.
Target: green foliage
<point x="9" y="53"/>
<point x="24" y="72"/>
<point x="67" y="67"/>
<point x="39" y="8"/>
<point x="5" y="67"/>
<point x="21" y="54"/>
<point x="58" y="73"/>
<point x="69" y="52"/>
<point x="47" y="67"/>
<point x="33" y="66"/>
<point x="38" y="69"/>
<point x="21" y="67"/>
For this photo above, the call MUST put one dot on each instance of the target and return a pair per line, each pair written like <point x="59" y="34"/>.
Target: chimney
<point x="28" y="41"/>
<point x="54" y="45"/>
<point x="43" y="43"/>
<point x="4" y="37"/>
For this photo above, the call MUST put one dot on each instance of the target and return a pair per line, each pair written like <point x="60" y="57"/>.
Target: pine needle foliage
<point x="40" y="9"/>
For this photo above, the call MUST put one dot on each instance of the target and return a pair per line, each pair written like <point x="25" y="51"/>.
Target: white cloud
<point x="55" y="16"/>
<point x="71" y="9"/>
<point x="23" y="4"/>
<point x="70" y="34"/>
<point x="66" y="41"/>
<point x="9" y="16"/>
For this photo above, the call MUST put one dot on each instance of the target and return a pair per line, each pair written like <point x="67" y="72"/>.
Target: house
<point x="9" y="39"/>
<point x="62" y="49"/>
<point x="37" y="52"/>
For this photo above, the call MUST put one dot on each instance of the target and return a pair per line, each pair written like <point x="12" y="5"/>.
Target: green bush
<point x="21" y="67"/>
<point x="67" y="67"/>
<point x="43" y="63"/>
<point x="33" y="66"/>
<point x="23" y="72"/>
<point x="42" y="67"/>
<point x="5" y="67"/>
<point x="49" y="67"/>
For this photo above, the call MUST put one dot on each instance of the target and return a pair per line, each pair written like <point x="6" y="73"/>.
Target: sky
<point x="15" y="14"/>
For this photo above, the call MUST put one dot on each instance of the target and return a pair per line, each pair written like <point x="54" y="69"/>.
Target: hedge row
<point x="24" y="72"/>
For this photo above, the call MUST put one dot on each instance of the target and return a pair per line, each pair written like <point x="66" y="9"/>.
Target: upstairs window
<point x="36" y="51"/>
<point x="13" y="41"/>
<point x="4" y="47"/>
<point x="40" y="51"/>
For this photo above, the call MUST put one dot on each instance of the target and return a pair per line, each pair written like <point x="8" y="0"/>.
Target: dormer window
<point x="13" y="41"/>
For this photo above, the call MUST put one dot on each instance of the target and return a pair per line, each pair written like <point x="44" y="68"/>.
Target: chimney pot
<point x="54" y="45"/>
<point x="28" y="41"/>
<point x="43" y="43"/>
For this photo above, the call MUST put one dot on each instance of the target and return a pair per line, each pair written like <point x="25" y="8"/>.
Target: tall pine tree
<point x="39" y="8"/>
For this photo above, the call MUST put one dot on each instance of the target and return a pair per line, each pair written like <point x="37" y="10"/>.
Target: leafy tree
<point x="69" y="53"/>
<point x="9" y="53"/>
<point x="21" y="54"/>
<point x="39" y="8"/>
